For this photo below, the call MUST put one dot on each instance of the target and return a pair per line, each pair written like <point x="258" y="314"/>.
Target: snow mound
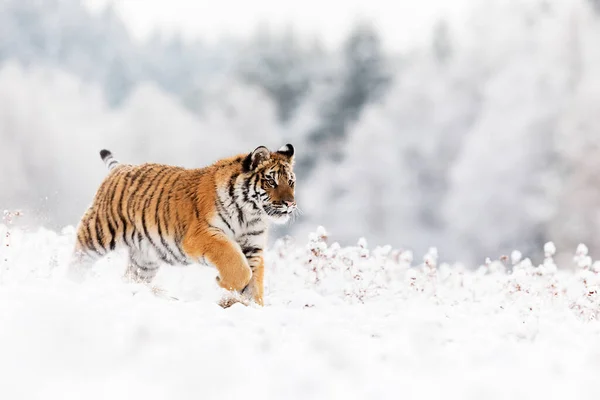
<point x="339" y="322"/>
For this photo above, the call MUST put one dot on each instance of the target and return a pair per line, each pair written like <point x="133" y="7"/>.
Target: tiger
<point x="163" y="214"/>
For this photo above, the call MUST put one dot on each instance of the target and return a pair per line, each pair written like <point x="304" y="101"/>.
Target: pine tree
<point x="279" y="65"/>
<point x="505" y="185"/>
<point x="363" y="79"/>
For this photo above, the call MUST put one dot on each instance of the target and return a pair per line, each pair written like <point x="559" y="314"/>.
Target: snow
<point x="339" y="322"/>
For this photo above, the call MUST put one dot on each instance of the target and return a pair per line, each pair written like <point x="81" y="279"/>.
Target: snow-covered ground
<point x="339" y="323"/>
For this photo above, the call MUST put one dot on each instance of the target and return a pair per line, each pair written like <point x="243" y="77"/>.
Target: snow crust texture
<point x="339" y="323"/>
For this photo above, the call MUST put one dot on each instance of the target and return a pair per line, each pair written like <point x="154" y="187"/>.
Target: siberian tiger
<point x="166" y="214"/>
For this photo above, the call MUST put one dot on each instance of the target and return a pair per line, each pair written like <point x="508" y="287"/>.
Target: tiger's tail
<point x="108" y="159"/>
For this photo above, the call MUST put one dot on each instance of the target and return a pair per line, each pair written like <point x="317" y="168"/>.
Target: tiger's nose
<point x="289" y="203"/>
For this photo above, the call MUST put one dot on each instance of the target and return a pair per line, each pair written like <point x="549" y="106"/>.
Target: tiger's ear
<point x="287" y="150"/>
<point x="260" y="154"/>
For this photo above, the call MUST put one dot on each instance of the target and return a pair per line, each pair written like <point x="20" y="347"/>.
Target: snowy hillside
<point x="347" y="323"/>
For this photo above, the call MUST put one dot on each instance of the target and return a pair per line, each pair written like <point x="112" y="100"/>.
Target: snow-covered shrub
<point x="320" y="274"/>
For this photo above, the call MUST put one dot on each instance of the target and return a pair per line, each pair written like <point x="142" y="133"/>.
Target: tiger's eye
<point x="271" y="182"/>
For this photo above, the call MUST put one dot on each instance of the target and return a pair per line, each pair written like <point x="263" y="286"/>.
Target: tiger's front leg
<point x="255" y="289"/>
<point x="224" y="254"/>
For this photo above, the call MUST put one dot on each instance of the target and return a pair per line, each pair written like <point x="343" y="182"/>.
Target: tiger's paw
<point x="252" y="294"/>
<point x="232" y="298"/>
<point x="258" y="299"/>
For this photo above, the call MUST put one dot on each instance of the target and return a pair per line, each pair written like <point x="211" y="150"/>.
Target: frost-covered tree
<point x="394" y="172"/>
<point x="97" y="48"/>
<point x="366" y="74"/>
<point x="280" y="65"/>
<point x="359" y="77"/>
<point x="504" y="185"/>
<point x="64" y="33"/>
<point x="47" y="163"/>
<point x="578" y="216"/>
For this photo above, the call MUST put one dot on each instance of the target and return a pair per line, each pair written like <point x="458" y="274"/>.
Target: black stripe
<point x="100" y="212"/>
<point x="157" y="221"/>
<point x="126" y="201"/>
<point x="178" y="234"/>
<point x="110" y="197"/>
<point x="253" y="221"/>
<point x="110" y="221"/>
<point x="100" y="233"/>
<point x="168" y="214"/>
<point x="90" y="240"/>
<point x="233" y="199"/>
<point x="254" y="178"/>
<point x="220" y="210"/>
<point x="177" y="240"/>
<point x="254" y="233"/>
<point x="183" y="253"/>
<point x="168" y="203"/>
<point x="139" y="171"/>
<point x="181" y="225"/>
<point x="247" y="163"/>
<point x="80" y="244"/>
<point x="147" y="201"/>
<point x="141" y="199"/>
<point x="145" y="267"/>
<point x="131" y="203"/>
<point x="246" y="189"/>
<point x="195" y="202"/>
<point x="111" y="231"/>
<point x="143" y="182"/>
<point x="117" y="204"/>
<point x="225" y="222"/>
<point x="250" y="251"/>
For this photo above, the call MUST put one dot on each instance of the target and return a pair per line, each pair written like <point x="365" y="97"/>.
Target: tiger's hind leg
<point x="140" y="268"/>
<point x="86" y="252"/>
<point x="82" y="261"/>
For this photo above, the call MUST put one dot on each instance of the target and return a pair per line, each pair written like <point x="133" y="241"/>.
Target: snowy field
<point x="339" y="323"/>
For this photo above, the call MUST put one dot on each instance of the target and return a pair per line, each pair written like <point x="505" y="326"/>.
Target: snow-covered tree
<point x="279" y="64"/>
<point x="504" y="185"/>
<point x="394" y="172"/>
<point x="49" y="162"/>
<point x="578" y="216"/>
<point x="344" y="86"/>
<point x="364" y="76"/>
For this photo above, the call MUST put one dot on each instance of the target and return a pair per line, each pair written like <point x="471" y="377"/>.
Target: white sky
<point x="401" y="22"/>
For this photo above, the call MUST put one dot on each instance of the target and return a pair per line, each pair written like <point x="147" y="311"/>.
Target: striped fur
<point x="166" y="214"/>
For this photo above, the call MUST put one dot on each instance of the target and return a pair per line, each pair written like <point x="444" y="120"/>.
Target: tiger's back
<point x="145" y="207"/>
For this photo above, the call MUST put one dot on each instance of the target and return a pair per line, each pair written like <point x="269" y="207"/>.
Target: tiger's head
<point x="273" y="180"/>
